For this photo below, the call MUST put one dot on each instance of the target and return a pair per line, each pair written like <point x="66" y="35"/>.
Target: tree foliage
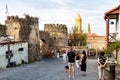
<point x="112" y="47"/>
<point x="79" y="39"/>
<point x="89" y="30"/>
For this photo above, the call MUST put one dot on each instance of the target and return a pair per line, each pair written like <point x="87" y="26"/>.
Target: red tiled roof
<point x="93" y="34"/>
<point x="112" y="11"/>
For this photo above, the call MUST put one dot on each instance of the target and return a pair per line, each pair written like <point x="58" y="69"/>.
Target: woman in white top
<point x="64" y="57"/>
<point x="58" y="54"/>
<point x="77" y="60"/>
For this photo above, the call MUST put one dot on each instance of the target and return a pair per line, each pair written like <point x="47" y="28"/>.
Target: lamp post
<point x="9" y="54"/>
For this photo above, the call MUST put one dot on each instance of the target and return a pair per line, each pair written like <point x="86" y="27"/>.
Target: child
<point x="64" y="57"/>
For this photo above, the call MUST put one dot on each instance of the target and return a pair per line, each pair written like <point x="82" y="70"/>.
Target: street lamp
<point x="9" y="53"/>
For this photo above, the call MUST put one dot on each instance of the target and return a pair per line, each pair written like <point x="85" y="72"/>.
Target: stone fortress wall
<point x="44" y="36"/>
<point x="44" y="43"/>
<point x="2" y="30"/>
<point x="58" y="34"/>
<point x="25" y="29"/>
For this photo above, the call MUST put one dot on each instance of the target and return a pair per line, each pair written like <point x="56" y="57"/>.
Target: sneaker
<point x="73" y="76"/>
<point x="69" y="76"/>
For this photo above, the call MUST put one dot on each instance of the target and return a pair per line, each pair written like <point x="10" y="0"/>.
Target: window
<point x="20" y="49"/>
<point x="54" y="38"/>
<point x="15" y="28"/>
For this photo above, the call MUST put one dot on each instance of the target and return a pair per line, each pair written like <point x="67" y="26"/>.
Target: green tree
<point x="79" y="38"/>
<point x="89" y="30"/>
<point x="111" y="47"/>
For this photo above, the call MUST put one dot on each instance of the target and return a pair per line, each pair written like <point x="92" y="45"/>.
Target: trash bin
<point x="112" y="71"/>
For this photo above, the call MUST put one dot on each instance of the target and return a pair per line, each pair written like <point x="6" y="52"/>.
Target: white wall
<point x="112" y="25"/>
<point x="18" y="55"/>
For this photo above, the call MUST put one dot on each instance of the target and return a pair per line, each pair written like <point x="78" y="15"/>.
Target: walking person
<point x="102" y="61"/>
<point x="64" y="57"/>
<point x="71" y="62"/>
<point x="87" y="51"/>
<point x="83" y="63"/>
<point x="78" y="60"/>
<point x="58" y="54"/>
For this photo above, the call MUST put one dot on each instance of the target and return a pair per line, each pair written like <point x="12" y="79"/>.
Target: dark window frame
<point x="20" y="49"/>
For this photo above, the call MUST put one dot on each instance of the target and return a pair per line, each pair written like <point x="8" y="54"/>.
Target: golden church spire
<point x="78" y="23"/>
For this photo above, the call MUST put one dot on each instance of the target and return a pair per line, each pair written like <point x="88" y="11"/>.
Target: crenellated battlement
<point x="43" y="31"/>
<point x="55" y="27"/>
<point x="12" y="19"/>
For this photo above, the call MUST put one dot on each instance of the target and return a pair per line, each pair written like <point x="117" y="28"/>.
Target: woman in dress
<point x="83" y="63"/>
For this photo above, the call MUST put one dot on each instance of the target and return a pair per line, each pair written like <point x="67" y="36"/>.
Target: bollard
<point x="112" y="71"/>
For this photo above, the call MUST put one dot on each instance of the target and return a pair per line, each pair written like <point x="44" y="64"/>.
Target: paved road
<point x="47" y="69"/>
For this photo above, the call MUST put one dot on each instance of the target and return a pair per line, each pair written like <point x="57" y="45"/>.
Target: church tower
<point x="78" y="24"/>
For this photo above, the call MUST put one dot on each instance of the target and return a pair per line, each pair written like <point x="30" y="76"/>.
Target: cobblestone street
<point x="48" y="69"/>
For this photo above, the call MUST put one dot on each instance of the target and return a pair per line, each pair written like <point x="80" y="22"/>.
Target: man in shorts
<point x="102" y="62"/>
<point x="71" y="62"/>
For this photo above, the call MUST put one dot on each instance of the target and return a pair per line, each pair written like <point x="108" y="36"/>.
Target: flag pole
<point x="6" y="12"/>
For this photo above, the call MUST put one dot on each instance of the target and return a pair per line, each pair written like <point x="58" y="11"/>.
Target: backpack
<point x="102" y="59"/>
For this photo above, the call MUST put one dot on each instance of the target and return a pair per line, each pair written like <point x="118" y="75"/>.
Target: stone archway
<point x="43" y="48"/>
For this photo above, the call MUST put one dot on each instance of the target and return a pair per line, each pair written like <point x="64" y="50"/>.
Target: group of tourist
<point x="80" y="61"/>
<point x="73" y="58"/>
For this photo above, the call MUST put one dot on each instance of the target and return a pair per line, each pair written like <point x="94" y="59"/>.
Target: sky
<point x="61" y="12"/>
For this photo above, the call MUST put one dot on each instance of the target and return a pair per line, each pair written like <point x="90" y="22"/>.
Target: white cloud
<point x="62" y="2"/>
<point x="61" y="12"/>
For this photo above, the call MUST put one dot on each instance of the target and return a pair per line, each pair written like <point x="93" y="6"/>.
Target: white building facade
<point x="112" y="18"/>
<point x="18" y="51"/>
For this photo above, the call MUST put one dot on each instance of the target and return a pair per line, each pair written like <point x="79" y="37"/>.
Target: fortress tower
<point x="58" y="34"/>
<point x="25" y="29"/>
<point x="78" y="24"/>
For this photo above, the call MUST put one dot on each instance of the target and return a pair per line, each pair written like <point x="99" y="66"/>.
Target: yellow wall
<point x="96" y="41"/>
